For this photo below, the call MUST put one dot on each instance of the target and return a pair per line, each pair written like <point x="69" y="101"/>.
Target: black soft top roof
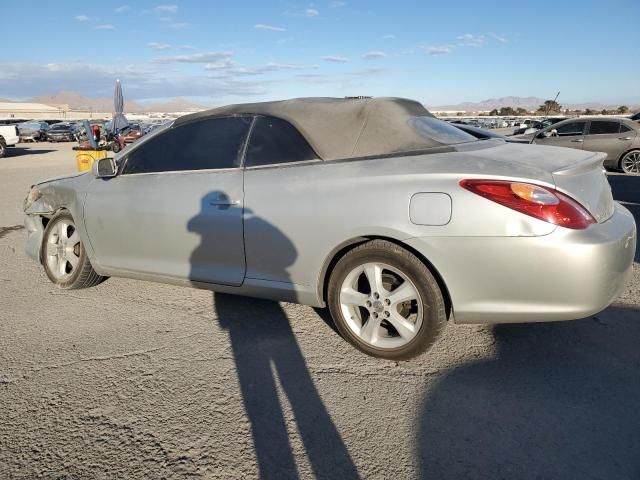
<point x="339" y="128"/>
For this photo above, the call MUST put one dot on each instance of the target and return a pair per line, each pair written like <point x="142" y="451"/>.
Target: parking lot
<point x="140" y="380"/>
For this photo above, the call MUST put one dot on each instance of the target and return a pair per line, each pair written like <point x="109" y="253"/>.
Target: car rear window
<point x="598" y="127"/>
<point x="438" y="131"/>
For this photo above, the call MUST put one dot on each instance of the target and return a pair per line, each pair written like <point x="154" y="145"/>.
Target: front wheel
<point x="630" y="163"/>
<point x="385" y="301"/>
<point x="64" y="257"/>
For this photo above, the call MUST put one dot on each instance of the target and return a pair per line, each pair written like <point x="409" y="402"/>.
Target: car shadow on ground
<point x="27" y="149"/>
<point x="267" y="355"/>
<point x="558" y="400"/>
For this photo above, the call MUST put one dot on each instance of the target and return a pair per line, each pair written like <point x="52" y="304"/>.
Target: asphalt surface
<point x="141" y="380"/>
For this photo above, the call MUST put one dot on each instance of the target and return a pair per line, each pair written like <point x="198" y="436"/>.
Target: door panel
<point x="613" y="144"/>
<point x="185" y="225"/>
<point x="570" y="134"/>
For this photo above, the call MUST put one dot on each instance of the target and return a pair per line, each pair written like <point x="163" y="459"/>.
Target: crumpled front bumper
<point x="35" y="232"/>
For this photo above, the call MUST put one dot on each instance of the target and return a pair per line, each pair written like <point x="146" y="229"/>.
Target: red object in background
<point x="95" y="131"/>
<point x="133" y="134"/>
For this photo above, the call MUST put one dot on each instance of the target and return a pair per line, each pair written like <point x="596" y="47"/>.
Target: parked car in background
<point x="635" y="117"/>
<point x="62" y="132"/>
<point x="534" y="126"/>
<point x="9" y="136"/>
<point x="395" y="220"/>
<point x="482" y="134"/>
<point x="132" y="133"/>
<point x="34" y="131"/>
<point x="617" y="137"/>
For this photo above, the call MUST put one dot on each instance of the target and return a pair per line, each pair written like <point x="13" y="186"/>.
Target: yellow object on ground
<point x="85" y="158"/>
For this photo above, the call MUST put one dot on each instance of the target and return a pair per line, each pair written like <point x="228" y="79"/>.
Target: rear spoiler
<point x="592" y="161"/>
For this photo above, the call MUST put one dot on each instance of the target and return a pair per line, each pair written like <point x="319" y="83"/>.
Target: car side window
<point x="200" y="145"/>
<point x="276" y="141"/>
<point x="624" y="128"/>
<point x="600" y="127"/>
<point x="569" y="129"/>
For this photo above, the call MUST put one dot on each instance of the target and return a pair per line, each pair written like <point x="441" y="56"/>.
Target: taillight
<point x="536" y="201"/>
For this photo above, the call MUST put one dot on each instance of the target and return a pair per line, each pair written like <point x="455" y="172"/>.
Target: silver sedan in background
<point x="619" y="138"/>
<point x="393" y="219"/>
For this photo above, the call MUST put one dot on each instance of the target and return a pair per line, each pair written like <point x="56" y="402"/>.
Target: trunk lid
<point x="585" y="181"/>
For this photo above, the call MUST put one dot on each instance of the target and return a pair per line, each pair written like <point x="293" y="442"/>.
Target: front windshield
<point x="431" y="128"/>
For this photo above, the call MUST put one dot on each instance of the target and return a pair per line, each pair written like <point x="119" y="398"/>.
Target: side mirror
<point x="105" y="168"/>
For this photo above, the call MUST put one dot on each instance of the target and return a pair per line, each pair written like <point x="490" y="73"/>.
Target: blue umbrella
<point x="119" y="120"/>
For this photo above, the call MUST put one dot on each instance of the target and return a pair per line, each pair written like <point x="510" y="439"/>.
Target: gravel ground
<point x="140" y="380"/>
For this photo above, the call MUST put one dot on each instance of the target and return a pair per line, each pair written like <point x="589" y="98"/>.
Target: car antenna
<point x="546" y="113"/>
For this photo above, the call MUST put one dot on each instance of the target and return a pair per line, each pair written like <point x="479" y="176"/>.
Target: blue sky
<point x="218" y="52"/>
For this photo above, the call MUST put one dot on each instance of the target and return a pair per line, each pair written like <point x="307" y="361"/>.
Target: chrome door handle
<point x="224" y="203"/>
<point x="578" y="140"/>
<point x="625" y="138"/>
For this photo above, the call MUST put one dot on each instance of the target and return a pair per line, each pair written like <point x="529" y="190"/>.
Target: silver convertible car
<point x="393" y="219"/>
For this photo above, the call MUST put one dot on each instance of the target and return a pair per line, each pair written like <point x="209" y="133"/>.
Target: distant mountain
<point x="530" y="103"/>
<point x="76" y="101"/>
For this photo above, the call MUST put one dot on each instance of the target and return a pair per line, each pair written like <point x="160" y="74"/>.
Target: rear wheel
<point x="64" y="257"/>
<point x="385" y="301"/>
<point x="630" y="162"/>
<point x="3" y="148"/>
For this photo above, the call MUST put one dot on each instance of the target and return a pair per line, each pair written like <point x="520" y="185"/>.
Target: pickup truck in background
<point x="9" y="136"/>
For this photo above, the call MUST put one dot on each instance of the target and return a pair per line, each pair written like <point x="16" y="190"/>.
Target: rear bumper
<point x="565" y="275"/>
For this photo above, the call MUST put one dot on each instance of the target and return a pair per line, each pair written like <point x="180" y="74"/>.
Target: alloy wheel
<point x="381" y="305"/>
<point x="631" y="162"/>
<point x="63" y="250"/>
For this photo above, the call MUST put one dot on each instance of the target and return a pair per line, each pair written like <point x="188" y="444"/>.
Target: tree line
<point x="551" y="107"/>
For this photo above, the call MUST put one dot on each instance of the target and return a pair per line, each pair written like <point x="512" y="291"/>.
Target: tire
<point x="3" y="149"/>
<point x="59" y="258"/>
<point x="398" y="321"/>
<point x="630" y="162"/>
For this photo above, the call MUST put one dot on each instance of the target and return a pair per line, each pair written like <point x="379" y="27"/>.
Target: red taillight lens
<point x="536" y="201"/>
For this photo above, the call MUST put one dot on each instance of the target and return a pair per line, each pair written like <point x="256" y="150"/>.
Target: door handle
<point x="624" y="138"/>
<point x="578" y="140"/>
<point x="224" y="202"/>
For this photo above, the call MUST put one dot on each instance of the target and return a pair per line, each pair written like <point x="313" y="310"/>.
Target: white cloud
<point x="167" y="8"/>
<point x="158" y="46"/>
<point x="81" y="18"/>
<point x="186" y="47"/>
<point x="438" y="50"/>
<point x="469" y="40"/>
<point x="311" y="12"/>
<point x="334" y="58"/>
<point x="206" y="57"/>
<point x="269" y="28"/>
<point x="179" y="25"/>
<point x="499" y="38"/>
<point x="122" y="8"/>
<point x="105" y="26"/>
<point x="228" y="67"/>
<point x="389" y="37"/>
<point x="139" y="81"/>
<point x="374" y="55"/>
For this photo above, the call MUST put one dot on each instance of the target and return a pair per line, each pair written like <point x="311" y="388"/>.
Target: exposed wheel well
<point x="351" y="244"/>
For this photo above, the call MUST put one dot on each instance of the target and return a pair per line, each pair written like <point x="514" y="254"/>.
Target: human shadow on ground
<point x="267" y="354"/>
<point x="558" y="400"/>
